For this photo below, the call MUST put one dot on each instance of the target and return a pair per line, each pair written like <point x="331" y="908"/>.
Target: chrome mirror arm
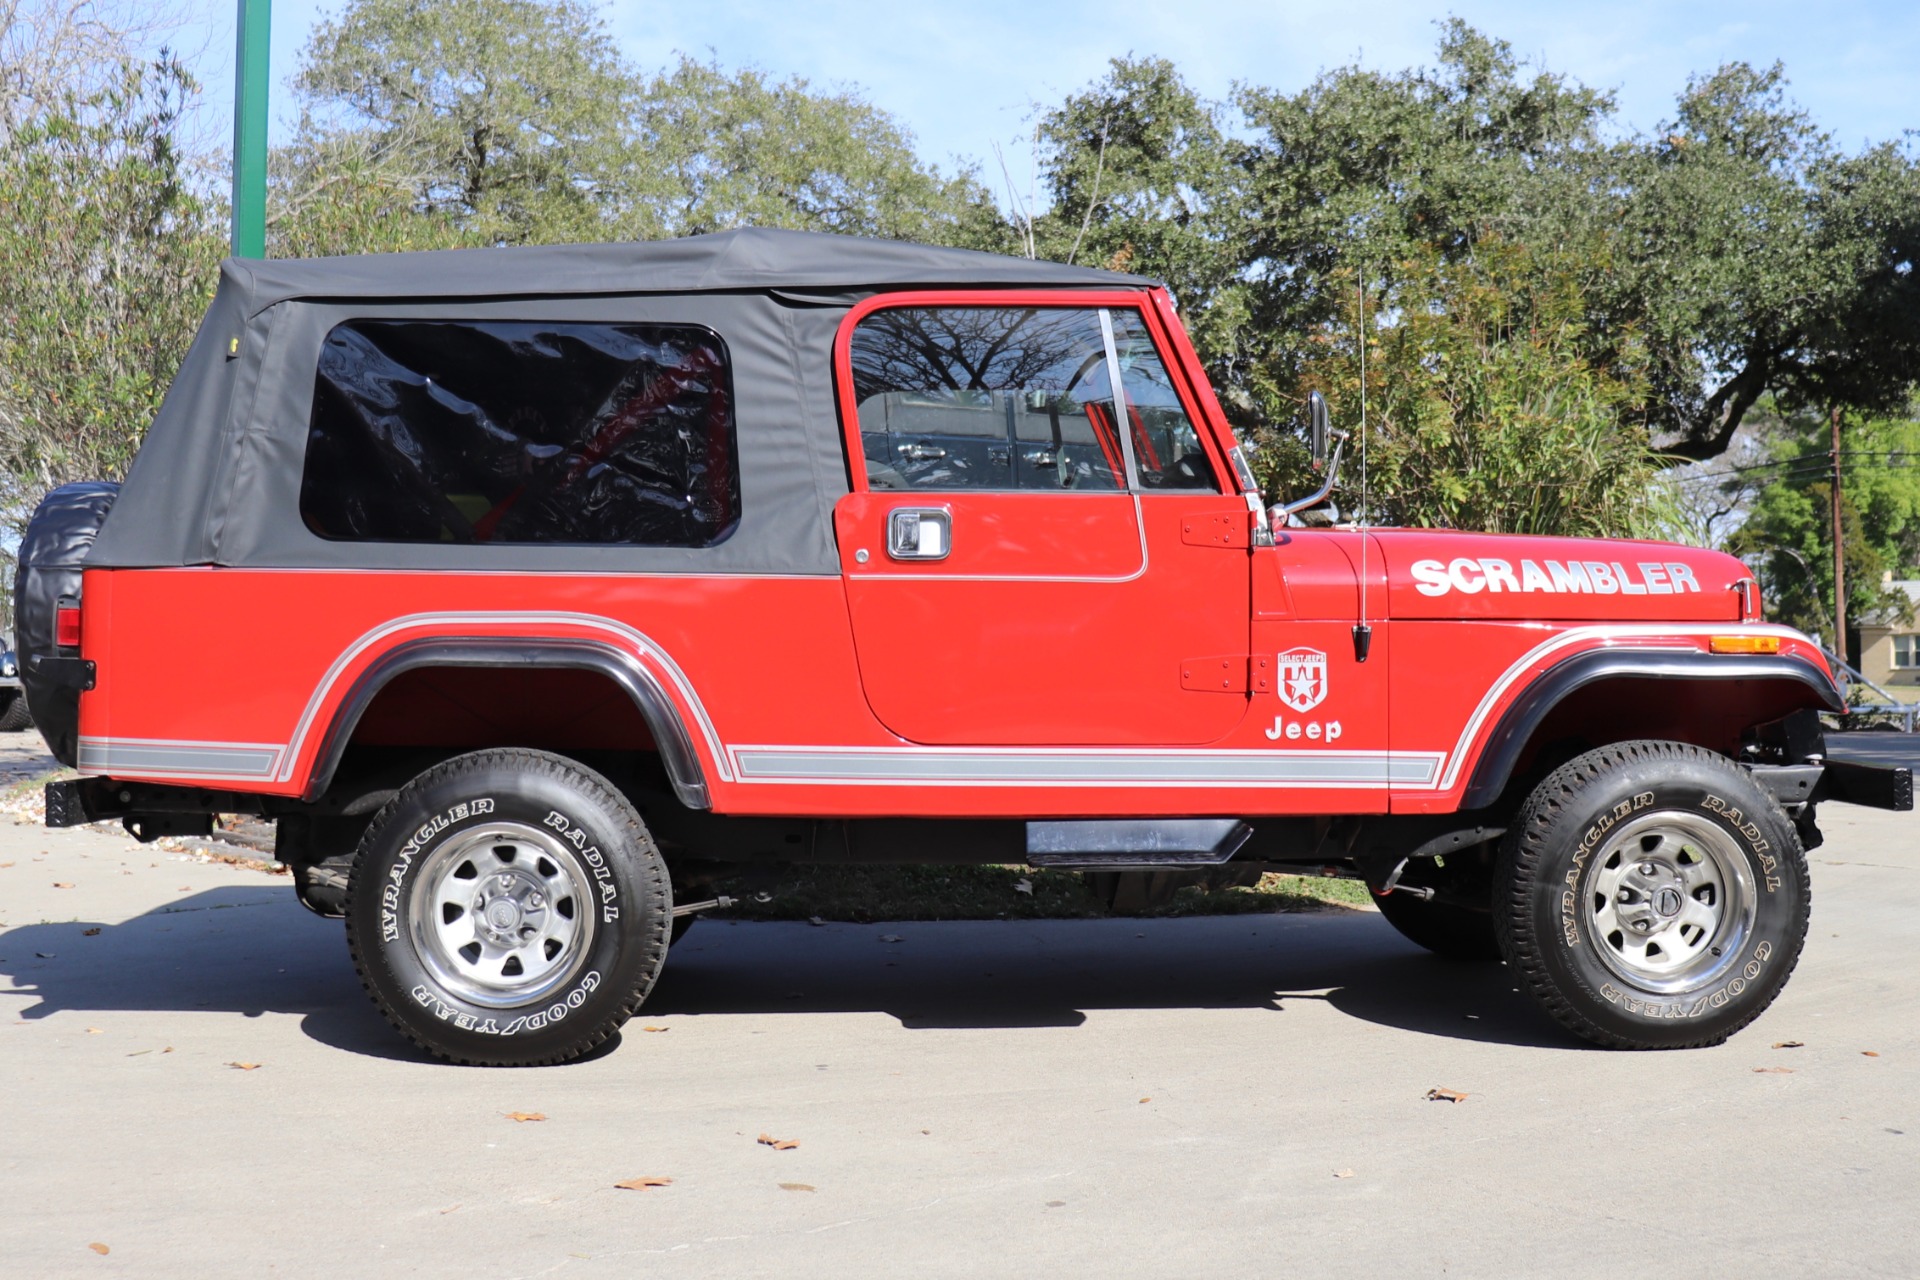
<point x="1277" y="514"/>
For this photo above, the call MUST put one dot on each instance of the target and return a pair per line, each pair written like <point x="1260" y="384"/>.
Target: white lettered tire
<point x="1652" y="896"/>
<point x="508" y="908"/>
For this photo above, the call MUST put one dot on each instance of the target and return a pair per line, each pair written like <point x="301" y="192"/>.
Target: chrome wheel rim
<point x="1669" y="901"/>
<point x="502" y="915"/>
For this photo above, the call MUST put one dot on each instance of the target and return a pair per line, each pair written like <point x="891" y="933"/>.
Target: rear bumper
<point x="1874" y="786"/>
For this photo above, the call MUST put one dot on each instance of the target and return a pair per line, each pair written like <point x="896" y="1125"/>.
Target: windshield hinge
<point x="1236" y="673"/>
<point x="1225" y="530"/>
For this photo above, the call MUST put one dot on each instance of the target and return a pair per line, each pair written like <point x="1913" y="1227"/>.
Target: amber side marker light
<point x="1744" y="644"/>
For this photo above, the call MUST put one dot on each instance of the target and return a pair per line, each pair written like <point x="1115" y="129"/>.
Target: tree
<point x="1760" y="261"/>
<point x="1735" y="255"/>
<point x="1484" y="410"/>
<point x="713" y="151"/>
<point x="518" y="121"/>
<point x="1788" y="532"/>
<point x="505" y="116"/>
<point x="102" y="286"/>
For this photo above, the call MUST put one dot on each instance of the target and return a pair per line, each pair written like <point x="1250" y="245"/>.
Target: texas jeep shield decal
<point x="1303" y="678"/>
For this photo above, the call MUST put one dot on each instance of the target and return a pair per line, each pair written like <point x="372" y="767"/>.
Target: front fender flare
<point x="648" y="693"/>
<point x="1510" y="734"/>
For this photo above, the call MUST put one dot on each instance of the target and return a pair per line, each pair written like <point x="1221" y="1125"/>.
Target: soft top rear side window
<point x="505" y="432"/>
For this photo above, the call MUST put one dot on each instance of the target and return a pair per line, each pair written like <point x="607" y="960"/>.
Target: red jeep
<point x="504" y="580"/>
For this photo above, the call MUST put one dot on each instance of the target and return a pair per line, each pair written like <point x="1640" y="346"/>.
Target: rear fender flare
<point x="648" y="692"/>
<point x="1501" y="751"/>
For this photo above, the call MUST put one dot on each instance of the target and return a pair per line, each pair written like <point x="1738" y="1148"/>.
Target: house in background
<point x="1889" y="647"/>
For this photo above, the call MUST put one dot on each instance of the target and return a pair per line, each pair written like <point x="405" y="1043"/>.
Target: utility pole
<point x="250" y="129"/>
<point x="1839" y="551"/>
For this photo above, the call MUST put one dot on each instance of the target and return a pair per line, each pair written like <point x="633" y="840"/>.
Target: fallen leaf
<point x="1145" y="1100"/>
<point x="62" y="884"/>
<point x="168" y="1049"/>
<point x="1343" y="1173"/>
<point x="795" y="1186"/>
<point x="1773" y="1071"/>
<point x="815" y="921"/>
<point x="95" y="1031"/>
<point x="1445" y="1095"/>
<point x="1868" y="1053"/>
<point x="5" y="864"/>
<point x="244" y="1066"/>
<point x="137" y="1052"/>
<point x="641" y="1184"/>
<point x="99" y="1248"/>
<point x="889" y="937"/>
<point x="1023" y="886"/>
<point x="1791" y="1044"/>
<point x="656" y="1028"/>
<point x="778" y="1144"/>
<point x="449" y="1209"/>
<point x="89" y="933"/>
<point x="185" y="888"/>
<point x="521" y="1117"/>
<point x="46" y="955"/>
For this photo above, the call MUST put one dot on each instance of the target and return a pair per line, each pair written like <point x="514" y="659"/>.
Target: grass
<point x="869" y="893"/>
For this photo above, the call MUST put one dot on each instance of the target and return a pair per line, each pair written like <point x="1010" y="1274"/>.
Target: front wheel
<point x="508" y="908"/>
<point x="1652" y="896"/>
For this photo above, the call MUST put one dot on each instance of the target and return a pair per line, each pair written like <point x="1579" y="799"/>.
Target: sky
<point x="964" y="75"/>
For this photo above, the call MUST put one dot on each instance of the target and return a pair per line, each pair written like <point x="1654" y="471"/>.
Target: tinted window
<point x="1167" y="453"/>
<point x="521" y="431"/>
<point x="985" y="398"/>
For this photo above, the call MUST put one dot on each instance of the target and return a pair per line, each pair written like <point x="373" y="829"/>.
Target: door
<point x="1027" y="563"/>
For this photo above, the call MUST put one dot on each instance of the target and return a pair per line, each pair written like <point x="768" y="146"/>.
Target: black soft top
<point x="750" y="259"/>
<point x="217" y="480"/>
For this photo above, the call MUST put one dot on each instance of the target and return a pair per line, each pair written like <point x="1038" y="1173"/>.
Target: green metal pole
<point x="250" y="129"/>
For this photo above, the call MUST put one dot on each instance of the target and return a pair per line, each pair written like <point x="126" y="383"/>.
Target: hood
<point x="1488" y="575"/>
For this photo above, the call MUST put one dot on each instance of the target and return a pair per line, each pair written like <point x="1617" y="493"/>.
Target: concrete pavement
<point x="1172" y="1097"/>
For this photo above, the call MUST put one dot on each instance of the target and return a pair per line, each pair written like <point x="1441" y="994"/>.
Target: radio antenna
<point x="1362" y="632"/>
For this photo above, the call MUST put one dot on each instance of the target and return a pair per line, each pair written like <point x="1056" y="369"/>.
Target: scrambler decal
<point x="1559" y="577"/>
<point x="397" y="875"/>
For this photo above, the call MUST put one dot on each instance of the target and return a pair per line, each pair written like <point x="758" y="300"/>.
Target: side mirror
<point x="1317" y="425"/>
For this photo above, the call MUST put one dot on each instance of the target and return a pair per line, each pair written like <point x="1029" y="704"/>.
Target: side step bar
<point x="1135" y="844"/>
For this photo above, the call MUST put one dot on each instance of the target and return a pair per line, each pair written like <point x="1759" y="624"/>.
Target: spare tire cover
<point x="52" y="552"/>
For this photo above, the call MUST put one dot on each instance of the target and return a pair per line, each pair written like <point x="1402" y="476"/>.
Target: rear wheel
<point x="508" y="908"/>
<point x="1652" y="896"/>
<point x="16" y="716"/>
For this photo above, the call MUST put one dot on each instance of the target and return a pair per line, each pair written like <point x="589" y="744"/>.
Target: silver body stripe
<point x="1052" y="768"/>
<point x="210" y="760"/>
<point x="915" y="766"/>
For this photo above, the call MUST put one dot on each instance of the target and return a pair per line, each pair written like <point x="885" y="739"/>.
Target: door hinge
<point x="1228" y="530"/>
<point x="1233" y="674"/>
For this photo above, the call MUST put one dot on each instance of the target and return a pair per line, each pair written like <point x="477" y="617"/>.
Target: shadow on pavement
<point x="1049" y="973"/>
<point x="250" y="951"/>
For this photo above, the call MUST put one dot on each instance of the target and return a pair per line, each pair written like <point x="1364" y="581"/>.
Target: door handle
<point x="1042" y="458"/>
<point x="919" y="533"/>
<point x="923" y="452"/>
